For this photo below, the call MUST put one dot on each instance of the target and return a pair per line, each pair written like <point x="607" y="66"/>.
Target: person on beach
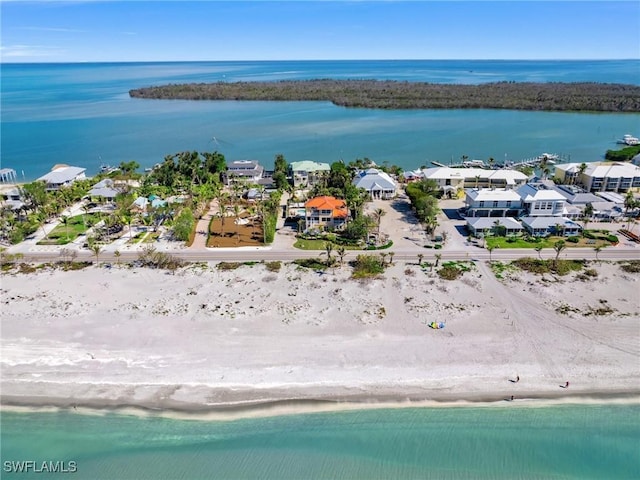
<point x="517" y="378"/>
<point x="566" y="385"/>
<point x="512" y="398"/>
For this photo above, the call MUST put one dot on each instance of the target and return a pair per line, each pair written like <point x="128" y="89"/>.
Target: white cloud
<point x="21" y="52"/>
<point x="52" y="29"/>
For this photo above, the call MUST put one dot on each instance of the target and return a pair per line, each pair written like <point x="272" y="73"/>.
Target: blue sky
<point x="84" y="31"/>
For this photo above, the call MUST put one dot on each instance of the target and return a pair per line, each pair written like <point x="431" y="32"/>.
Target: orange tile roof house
<point x="325" y="212"/>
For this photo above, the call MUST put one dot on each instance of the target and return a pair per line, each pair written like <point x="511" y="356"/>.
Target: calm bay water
<point x="568" y="442"/>
<point x="81" y="114"/>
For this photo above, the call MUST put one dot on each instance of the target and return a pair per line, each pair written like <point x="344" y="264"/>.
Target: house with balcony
<point x="325" y="212"/>
<point x="307" y="173"/>
<point x="247" y="171"/>
<point x="452" y="180"/>
<point x="492" y="202"/>
<point x="601" y="176"/>
<point x="539" y="200"/>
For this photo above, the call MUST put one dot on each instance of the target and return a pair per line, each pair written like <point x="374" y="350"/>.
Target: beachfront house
<point x="325" y="212"/>
<point x="378" y="184"/>
<point x="538" y="200"/>
<point x="492" y="202"/>
<point x="62" y="175"/>
<point x="248" y="171"/>
<point x="307" y="173"/>
<point x="484" y="226"/>
<point x="600" y="176"/>
<point x="544" y="226"/>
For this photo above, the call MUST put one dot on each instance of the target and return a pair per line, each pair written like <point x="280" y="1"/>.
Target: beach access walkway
<point x="202" y="227"/>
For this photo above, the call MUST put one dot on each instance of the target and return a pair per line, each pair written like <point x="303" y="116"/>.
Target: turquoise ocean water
<point x="81" y="114"/>
<point x="512" y="442"/>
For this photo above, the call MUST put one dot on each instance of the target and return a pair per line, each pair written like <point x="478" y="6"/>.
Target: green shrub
<point x="437" y="246"/>
<point x="273" y="266"/>
<point x="612" y="238"/>
<point x="573" y="239"/>
<point x="366" y="266"/>
<point x="228" y="265"/>
<point x="314" y="263"/>
<point x="589" y="235"/>
<point x="449" y="272"/>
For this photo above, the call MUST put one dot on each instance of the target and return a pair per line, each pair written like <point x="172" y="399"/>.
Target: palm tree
<point x="97" y="250"/>
<point x="490" y="249"/>
<point x="420" y="257"/>
<point x="585" y="222"/>
<point x="328" y="249"/>
<point x="559" y="229"/>
<point x="597" y="249"/>
<point x="236" y="212"/>
<point x="438" y="258"/>
<point x="65" y="220"/>
<point x="377" y="216"/>
<point x="581" y="169"/>
<point x="391" y="254"/>
<point x="342" y="251"/>
<point x="383" y="256"/>
<point x="117" y="255"/>
<point x="629" y="202"/>
<point x="127" y="218"/>
<point x="477" y="180"/>
<point x="497" y="228"/>
<point x="538" y="249"/>
<point x="559" y="246"/>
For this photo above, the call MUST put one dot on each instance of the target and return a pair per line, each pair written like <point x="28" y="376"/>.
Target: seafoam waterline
<point x="510" y="440"/>
<point x="81" y="114"/>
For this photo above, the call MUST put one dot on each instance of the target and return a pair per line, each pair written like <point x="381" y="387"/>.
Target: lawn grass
<point x="305" y="244"/>
<point x="501" y="242"/>
<point x="74" y="227"/>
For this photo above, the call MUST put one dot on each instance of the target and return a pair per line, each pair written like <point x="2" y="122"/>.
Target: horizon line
<point x="27" y="62"/>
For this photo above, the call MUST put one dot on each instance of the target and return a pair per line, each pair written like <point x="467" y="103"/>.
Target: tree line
<point x="389" y="94"/>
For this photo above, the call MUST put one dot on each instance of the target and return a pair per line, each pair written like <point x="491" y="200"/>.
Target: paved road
<point x="269" y="254"/>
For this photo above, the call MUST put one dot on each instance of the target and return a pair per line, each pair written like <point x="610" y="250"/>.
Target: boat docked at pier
<point x="629" y="140"/>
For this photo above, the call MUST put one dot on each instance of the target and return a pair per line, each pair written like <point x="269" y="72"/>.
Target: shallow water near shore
<point x="560" y="441"/>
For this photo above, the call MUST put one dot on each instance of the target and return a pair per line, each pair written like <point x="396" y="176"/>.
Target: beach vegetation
<point x="228" y="265"/>
<point x="502" y="269"/>
<point x="630" y="266"/>
<point x="312" y="263"/>
<point x="540" y="267"/>
<point x="367" y="266"/>
<point x="150" y="257"/>
<point x="274" y="266"/>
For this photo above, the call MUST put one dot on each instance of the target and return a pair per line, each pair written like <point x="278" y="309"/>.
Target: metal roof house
<point x="377" y="183"/>
<point x="243" y="170"/>
<point x="62" y="175"/>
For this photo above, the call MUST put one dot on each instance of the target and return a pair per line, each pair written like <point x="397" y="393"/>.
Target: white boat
<point x="630" y="140"/>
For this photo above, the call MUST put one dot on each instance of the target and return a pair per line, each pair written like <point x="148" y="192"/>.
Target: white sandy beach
<point x="204" y="339"/>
